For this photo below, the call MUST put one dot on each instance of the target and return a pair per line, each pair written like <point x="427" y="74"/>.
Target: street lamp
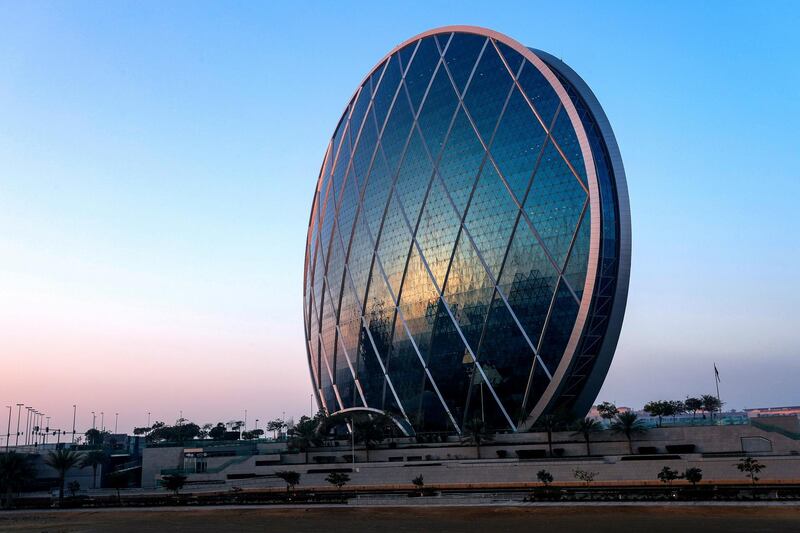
<point x="8" y="433"/>
<point x="102" y="421"/>
<point x="94" y="420"/>
<point x="27" y="422"/>
<point x="19" y="412"/>
<point x="74" y="412"/>
<point x="116" y="419"/>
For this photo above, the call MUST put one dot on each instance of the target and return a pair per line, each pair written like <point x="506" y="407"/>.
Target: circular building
<point x="468" y="249"/>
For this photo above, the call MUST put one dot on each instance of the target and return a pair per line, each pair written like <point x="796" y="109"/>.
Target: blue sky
<point x="157" y="162"/>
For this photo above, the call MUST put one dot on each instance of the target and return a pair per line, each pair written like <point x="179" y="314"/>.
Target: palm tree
<point x="15" y="470"/>
<point x="550" y="423"/>
<point x="305" y="434"/>
<point x="62" y="460"/>
<point x="629" y="424"/>
<point x="711" y="403"/>
<point x="586" y="427"/>
<point x="94" y="458"/>
<point x="693" y="404"/>
<point x="476" y="432"/>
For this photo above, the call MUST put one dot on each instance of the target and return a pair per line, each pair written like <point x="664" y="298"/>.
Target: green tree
<point x="750" y="466"/>
<point x="711" y="404"/>
<point x="305" y="434"/>
<point x="290" y="477"/>
<point x="275" y="426"/>
<point x="73" y="487"/>
<point x="693" y="475"/>
<point x="173" y="482"/>
<point x="584" y="475"/>
<point x="370" y="431"/>
<point x="61" y="461"/>
<point x="476" y="433"/>
<point x="667" y="475"/>
<point x="94" y="458"/>
<point x="218" y="432"/>
<point x="15" y="471"/>
<point x="628" y="424"/>
<point x="117" y="481"/>
<point x="253" y="434"/>
<point x="693" y="405"/>
<point x="658" y="409"/>
<point x="95" y="437"/>
<point x="549" y="423"/>
<point x="338" y="479"/>
<point x="545" y="477"/>
<point x="607" y="410"/>
<point x="419" y="482"/>
<point x="586" y="427"/>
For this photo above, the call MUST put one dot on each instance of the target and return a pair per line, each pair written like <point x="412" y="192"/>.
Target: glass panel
<point x="394" y="245"/>
<point x="438" y="230"/>
<point x="376" y="193"/>
<point x="528" y="281"/>
<point x="461" y="55"/>
<point x="379" y="311"/>
<point x="468" y="291"/>
<point x="347" y="210"/>
<point x="565" y="137"/>
<point x="421" y="70"/>
<point x="405" y="370"/>
<point x="386" y="90"/>
<point x="344" y="378"/>
<point x="461" y="161"/>
<point x="405" y="54"/>
<point x="559" y="328"/>
<point x="396" y="133"/>
<point x="481" y="403"/>
<point x="554" y="203"/>
<point x="449" y="363"/>
<point x="539" y="383"/>
<point x="577" y="264"/>
<point x="359" y="110"/>
<point x="437" y="112"/>
<point x="487" y="92"/>
<point x="360" y="260"/>
<point x="364" y="150"/>
<point x="431" y="416"/>
<point x="539" y="92"/>
<point x="369" y="371"/>
<point x="518" y="144"/>
<point x="505" y="357"/>
<point x="490" y="218"/>
<point x="415" y="175"/>
<point x="512" y="57"/>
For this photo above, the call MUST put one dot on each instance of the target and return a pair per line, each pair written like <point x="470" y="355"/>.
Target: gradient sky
<point x="157" y="164"/>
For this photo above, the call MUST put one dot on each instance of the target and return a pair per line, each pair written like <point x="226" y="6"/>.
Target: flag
<point x="716" y="373"/>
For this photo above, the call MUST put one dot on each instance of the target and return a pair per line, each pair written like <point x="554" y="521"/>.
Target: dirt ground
<point x="649" y="519"/>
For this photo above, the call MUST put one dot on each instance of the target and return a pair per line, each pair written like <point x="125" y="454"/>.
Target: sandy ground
<point x="577" y="518"/>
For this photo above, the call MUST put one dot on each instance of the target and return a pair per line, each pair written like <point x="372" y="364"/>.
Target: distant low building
<point x="792" y="410"/>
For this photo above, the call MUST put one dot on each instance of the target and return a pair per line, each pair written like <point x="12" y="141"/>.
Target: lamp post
<point x="94" y="420"/>
<point x="19" y="412"/>
<point x="102" y="421"/>
<point x="116" y="419"/>
<point x="27" y="423"/>
<point x="148" y="418"/>
<point x="74" y="412"/>
<point x="8" y="433"/>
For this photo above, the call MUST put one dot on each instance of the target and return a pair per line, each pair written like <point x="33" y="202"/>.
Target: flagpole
<point x="716" y="382"/>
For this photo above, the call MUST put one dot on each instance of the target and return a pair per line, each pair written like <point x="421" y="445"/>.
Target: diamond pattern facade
<point x="468" y="246"/>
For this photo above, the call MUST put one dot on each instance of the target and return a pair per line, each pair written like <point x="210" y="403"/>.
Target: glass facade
<point x="463" y="248"/>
